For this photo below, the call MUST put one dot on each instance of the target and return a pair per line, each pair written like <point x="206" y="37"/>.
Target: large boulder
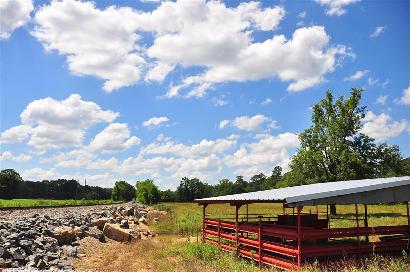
<point x="95" y="233"/>
<point x="115" y="232"/>
<point x="64" y="235"/>
<point x="100" y="222"/>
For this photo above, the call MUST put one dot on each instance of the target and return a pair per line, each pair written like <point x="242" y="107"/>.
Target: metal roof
<point x="365" y="191"/>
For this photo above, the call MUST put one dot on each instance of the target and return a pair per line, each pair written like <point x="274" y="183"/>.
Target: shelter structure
<point x="288" y="240"/>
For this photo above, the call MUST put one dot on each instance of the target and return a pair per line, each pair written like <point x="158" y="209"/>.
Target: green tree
<point x="333" y="148"/>
<point x="10" y="182"/>
<point x="190" y="189"/>
<point x="147" y="192"/>
<point x="123" y="191"/>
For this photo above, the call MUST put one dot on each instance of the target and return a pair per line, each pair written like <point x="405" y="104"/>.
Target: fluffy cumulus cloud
<point x="382" y="127"/>
<point x="109" y="44"/>
<point x="115" y="137"/>
<point x="155" y="122"/>
<point x="52" y="124"/>
<point x="405" y="99"/>
<point x="14" y="14"/>
<point x="336" y="7"/>
<point x="381" y="100"/>
<point x="275" y="57"/>
<point x="263" y="154"/>
<point x="8" y="156"/>
<point x="15" y="134"/>
<point x="248" y="123"/>
<point x="103" y="44"/>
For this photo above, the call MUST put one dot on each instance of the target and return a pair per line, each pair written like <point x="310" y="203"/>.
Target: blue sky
<point x="130" y="90"/>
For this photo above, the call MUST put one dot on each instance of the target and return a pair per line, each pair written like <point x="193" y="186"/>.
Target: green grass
<point x="27" y="203"/>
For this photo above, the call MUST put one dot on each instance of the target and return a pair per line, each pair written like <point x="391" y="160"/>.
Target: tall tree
<point x="147" y="192"/>
<point x="123" y="191"/>
<point x="10" y="182"/>
<point x="334" y="149"/>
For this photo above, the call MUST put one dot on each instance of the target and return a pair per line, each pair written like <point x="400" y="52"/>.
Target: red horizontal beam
<point x="353" y="232"/>
<point x="268" y="246"/>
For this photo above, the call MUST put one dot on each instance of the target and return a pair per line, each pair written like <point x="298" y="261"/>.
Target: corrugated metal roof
<point x="366" y="191"/>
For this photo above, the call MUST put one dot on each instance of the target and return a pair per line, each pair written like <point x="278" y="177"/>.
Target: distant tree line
<point x="13" y="186"/>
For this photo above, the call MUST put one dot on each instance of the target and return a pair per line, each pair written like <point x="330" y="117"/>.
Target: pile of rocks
<point x="49" y="238"/>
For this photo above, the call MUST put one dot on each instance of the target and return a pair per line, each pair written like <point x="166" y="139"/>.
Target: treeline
<point x="191" y="188"/>
<point x="13" y="186"/>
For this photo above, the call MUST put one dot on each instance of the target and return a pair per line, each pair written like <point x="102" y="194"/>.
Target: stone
<point x="100" y="222"/>
<point x="2" y="263"/>
<point x="41" y="264"/>
<point x="143" y="220"/>
<point x="18" y="254"/>
<point x="70" y="251"/>
<point x="95" y="233"/>
<point x="50" y="244"/>
<point x="1" y="251"/>
<point x="124" y="224"/>
<point x="64" y="235"/>
<point x="34" y="258"/>
<point x="116" y="233"/>
<point x="79" y="232"/>
<point x="51" y="256"/>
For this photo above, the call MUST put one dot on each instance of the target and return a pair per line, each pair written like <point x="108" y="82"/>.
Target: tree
<point x="333" y="148"/>
<point x="123" y="191"/>
<point x="10" y="182"/>
<point x="190" y="189"/>
<point x="147" y="192"/>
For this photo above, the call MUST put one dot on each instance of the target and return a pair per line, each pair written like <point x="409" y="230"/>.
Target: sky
<point x="129" y="90"/>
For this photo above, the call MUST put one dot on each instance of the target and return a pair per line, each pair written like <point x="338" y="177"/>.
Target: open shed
<point x="289" y="240"/>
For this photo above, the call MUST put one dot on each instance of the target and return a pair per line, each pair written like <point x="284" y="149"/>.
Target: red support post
<point x="203" y="221"/>
<point x="299" y="223"/>
<point x="366" y="222"/>
<point x="408" y="216"/>
<point x="260" y="243"/>
<point x="357" y="231"/>
<point x="237" y="227"/>
<point x="219" y="233"/>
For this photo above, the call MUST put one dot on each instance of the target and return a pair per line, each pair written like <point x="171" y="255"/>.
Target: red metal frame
<point x="288" y="247"/>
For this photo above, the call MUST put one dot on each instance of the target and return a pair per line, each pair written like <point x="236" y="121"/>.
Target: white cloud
<point x="155" y="122"/>
<point x="405" y="99"/>
<point x="336" y="7"/>
<point x="14" y="14"/>
<point x="159" y="71"/>
<point x="267" y="101"/>
<point x="262" y="155"/>
<point x="381" y="100"/>
<point x="248" y="123"/>
<point x="15" y="134"/>
<point x="115" y="137"/>
<point x="220" y="102"/>
<point x="100" y="43"/>
<point x="52" y="124"/>
<point x="377" y="82"/>
<point x="378" y="31"/>
<point x="276" y="57"/>
<point x="37" y="174"/>
<point x="105" y="44"/>
<point x="302" y="14"/>
<point x="358" y="75"/>
<point x="382" y="127"/>
<point x="8" y="156"/>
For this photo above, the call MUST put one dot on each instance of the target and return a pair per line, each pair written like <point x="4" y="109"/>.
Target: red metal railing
<point x="286" y="246"/>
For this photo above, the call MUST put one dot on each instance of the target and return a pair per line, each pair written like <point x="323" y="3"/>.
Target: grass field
<point x="26" y="203"/>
